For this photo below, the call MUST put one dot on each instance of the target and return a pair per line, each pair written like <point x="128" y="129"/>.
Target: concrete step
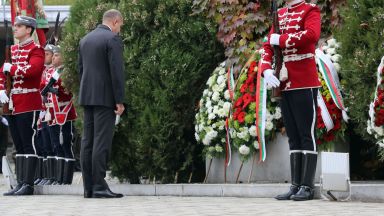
<point x="361" y="191"/>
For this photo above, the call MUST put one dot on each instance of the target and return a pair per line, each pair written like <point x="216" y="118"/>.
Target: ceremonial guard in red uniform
<point x="45" y="175"/>
<point x="60" y="114"/>
<point x="300" y="26"/>
<point x="24" y="101"/>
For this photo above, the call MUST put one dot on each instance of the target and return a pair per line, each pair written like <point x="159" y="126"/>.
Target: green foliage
<point x="362" y="43"/>
<point x="168" y="56"/>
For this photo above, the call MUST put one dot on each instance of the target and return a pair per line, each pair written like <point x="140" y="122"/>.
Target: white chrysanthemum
<point x="214" y="125"/>
<point x="219" y="148"/>
<point x="331" y="51"/>
<point x="197" y="137"/>
<point x="244" y="134"/>
<point x="216" y="96"/>
<point x="337" y="66"/>
<point x="215" y="110"/>
<point x="269" y="125"/>
<point x="205" y="92"/>
<point x="215" y="88"/>
<point x="201" y="127"/>
<point x="252" y="131"/>
<point x="212" y="134"/>
<point x="336" y="58"/>
<point x="220" y="79"/>
<point x="211" y="81"/>
<point x="331" y="42"/>
<point x="269" y="116"/>
<point x="227" y="95"/>
<point x="222" y="113"/>
<point x="256" y="144"/>
<point x="209" y="110"/>
<point x="206" y="140"/>
<point x="211" y="116"/>
<point x="208" y="104"/>
<point x="196" y="127"/>
<point x="222" y="65"/>
<point x="221" y="127"/>
<point x="277" y="115"/>
<point x="222" y="87"/>
<point x="222" y="71"/>
<point x="244" y="150"/>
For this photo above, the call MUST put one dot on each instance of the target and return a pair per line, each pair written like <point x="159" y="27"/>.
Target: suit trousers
<point x="23" y="129"/>
<point x="299" y="115"/>
<point x="96" y="145"/>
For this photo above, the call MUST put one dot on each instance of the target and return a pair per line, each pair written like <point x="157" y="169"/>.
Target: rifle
<point x="8" y="82"/>
<point x="53" y="39"/>
<point x="278" y="55"/>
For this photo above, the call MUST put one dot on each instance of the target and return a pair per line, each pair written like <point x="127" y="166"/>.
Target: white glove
<point x="7" y="67"/>
<point x="56" y="75"/>
<point x="3" y="97"/>
<point x="271" y="79"/>
<point x="4" y="121"/>
<point x="42" y="114"/>
<point x="274" y="39"/>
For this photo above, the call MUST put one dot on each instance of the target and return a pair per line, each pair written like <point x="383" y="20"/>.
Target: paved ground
<point x="76" y="205"/>
<point x="169" y="206"/>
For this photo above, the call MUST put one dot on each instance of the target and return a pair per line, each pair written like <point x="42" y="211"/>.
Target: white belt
<point x="50" y="105"/>
<point x="297" y="57"/>
<point x="23" y="91"/>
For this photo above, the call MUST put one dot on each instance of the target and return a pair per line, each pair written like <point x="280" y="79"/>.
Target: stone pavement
<point x="169" y="206"/>
<point x="177" y="205"/>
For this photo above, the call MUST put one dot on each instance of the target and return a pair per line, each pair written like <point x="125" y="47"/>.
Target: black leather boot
<point x="39" y="170"/>
<point x="44" y="172"/>
<point x="51" y="161"/>
<point x="19" y="175"/>
<point x="30" y="162"/>
<point x="306" y="190"/>
<point x="296" y="160"/>
<point x="69" y="166"/>
<point x="59" y="170"/>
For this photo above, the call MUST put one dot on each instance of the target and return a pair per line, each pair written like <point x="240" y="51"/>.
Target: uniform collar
<point x="26" y="42"/>
<point x="295" y="3"/>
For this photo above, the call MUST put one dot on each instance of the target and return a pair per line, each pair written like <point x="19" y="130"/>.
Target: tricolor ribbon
<point x="328" y="70"/>
<point x="231" y="87"/>
<point x="261" y="112"/>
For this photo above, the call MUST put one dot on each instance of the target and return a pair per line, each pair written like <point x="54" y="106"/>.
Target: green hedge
<point x="168" y="57"/>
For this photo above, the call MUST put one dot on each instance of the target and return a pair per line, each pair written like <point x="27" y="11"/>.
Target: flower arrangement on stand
<point x="330" y="126"/>
<point x="376" y="110"/>
<point x="242" y="123"/>
<point x="214" y="107"/>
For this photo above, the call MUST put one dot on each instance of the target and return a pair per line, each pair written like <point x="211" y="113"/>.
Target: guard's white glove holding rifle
<point x="270" y="78"/>
<point x="3" y="97"/>
<point x="274" y="39"/>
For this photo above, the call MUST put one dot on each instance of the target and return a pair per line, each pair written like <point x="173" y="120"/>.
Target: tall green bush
<point x="168" y="57"/>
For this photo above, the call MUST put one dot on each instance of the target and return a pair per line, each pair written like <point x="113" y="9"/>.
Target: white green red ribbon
<point x="331" y="78"/>
<point x="327" y="119"/>
<point x="261" y="113"/>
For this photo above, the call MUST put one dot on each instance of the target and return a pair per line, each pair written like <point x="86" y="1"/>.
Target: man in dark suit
<point x="101" y="94"/>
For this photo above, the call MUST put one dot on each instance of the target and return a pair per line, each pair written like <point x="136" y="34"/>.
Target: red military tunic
<point x="63" y="98"/>
<point x="300" y="26"/>
<point x="26" y="70"/>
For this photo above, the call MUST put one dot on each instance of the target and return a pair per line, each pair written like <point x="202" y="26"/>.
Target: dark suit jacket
<point x="101" y="68"/>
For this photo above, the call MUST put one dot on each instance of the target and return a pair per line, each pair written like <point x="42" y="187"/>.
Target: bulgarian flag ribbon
<point x="231" y="87"/>
<point x="330" y="77"/>
<point x="261" y="112"/>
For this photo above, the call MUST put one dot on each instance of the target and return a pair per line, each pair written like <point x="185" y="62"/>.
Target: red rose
<point x="239" y="102"/>
<point x="240" y="117"/>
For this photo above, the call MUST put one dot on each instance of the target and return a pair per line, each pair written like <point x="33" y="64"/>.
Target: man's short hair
<point x="112" y="14"/>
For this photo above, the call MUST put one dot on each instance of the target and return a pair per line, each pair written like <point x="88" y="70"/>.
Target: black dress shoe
<point x="305" y="193"/>
<point x="287" y="196"/>
<point x="87" y="194"/>
<point x="106" y="194"/>
<point x="14" y="190"/>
